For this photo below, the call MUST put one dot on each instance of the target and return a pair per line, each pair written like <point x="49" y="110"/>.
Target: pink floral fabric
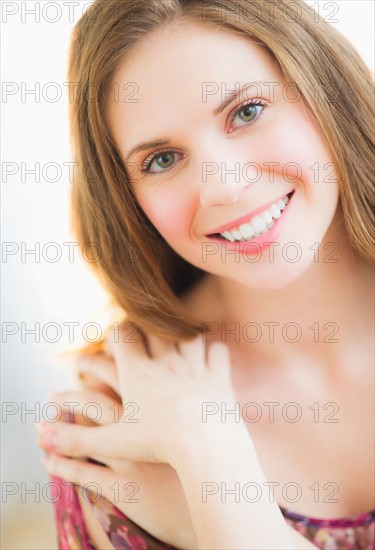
<point x="351" y="533"/>
<point x="72" y="534"/>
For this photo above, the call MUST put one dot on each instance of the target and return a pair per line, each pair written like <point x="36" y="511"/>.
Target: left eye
<point x="161" y="162"/>
<point x="165" y="160"/>
<point x="249" y="112"/>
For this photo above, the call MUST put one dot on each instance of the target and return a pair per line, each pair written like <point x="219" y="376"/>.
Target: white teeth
<point x="236" y="234"/>
<point x="259" y="224"/>
<point x="247" y="231"/>
<point x="267" y="217"/>
<point x="227" y="235"/>
<point x="275" y="211"/>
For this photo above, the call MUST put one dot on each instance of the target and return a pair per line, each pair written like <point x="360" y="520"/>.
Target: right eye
<point x="162" y="161"/>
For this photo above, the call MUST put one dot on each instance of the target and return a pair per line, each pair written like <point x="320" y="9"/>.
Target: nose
<point x="224" y="177"/>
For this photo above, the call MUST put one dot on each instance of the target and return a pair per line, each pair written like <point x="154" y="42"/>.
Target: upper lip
<point x="247" y="217"/>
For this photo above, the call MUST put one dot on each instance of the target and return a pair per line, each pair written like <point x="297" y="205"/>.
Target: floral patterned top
<point x="350" y="533"/>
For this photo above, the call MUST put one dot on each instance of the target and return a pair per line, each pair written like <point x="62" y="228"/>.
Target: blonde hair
<point x="145" y="277"/>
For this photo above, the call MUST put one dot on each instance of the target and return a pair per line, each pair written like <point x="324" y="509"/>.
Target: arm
<point x="215" y="471"/>
<point x="161" y="436"/>
<point x="99" y="383"/>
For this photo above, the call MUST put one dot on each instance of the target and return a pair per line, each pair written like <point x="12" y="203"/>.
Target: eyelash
<point x="149" y="160"/>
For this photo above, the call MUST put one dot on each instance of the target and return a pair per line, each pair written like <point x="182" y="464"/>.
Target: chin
<point x="278" y="275"/>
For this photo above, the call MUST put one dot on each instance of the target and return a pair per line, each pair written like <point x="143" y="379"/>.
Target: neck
<point x="317" y="318"/>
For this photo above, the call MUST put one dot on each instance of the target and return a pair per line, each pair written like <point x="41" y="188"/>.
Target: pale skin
<point x="306" y="292"/>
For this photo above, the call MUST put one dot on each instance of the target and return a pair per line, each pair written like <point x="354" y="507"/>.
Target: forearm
<point x="215" y="472"/>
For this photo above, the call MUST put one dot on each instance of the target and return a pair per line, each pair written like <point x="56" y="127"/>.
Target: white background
<point x="42" y="291"/>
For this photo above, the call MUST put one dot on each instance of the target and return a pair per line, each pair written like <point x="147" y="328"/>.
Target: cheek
<point x="168" y="211"/>
<point x="295" y="140"/>
<point x="298" y="148"/>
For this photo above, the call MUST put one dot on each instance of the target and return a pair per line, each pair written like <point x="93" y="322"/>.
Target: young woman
<point x="225" y="151"/>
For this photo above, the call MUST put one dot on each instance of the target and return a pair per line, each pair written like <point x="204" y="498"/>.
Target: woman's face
<point x="223" y="163"/>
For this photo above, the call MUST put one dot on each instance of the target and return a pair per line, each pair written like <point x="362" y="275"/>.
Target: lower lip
<point x="253" y="246"/>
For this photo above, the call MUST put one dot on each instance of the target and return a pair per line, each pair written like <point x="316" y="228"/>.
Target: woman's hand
<point x="162" y="399"/>
<point x="150" y="495"/>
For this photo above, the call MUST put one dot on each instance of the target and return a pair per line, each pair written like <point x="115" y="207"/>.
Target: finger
<point x="92" y="406"/>
<point x="158" y="347"/>
<point x="130" y="355"/>
<point x="98" y="478"/>
<point x="97" y="481"/>
<point x="126" y="467"/>
<point x="74" y="440"/>
<point x="218" y="359"/>
<point x="101" y="366"/>
<point x="124" y="347"/>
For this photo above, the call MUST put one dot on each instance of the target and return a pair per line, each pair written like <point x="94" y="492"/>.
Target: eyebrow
<point x="233" y="95"/>
<point x="145" y="145"/>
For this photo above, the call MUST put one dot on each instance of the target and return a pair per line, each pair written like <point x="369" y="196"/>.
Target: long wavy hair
<point x="144" y="276"/>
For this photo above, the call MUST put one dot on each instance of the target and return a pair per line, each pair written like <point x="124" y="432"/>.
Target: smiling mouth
<point x="256" y="226"/>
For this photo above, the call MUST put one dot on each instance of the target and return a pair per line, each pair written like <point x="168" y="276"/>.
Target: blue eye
<point x="249" y="111"/>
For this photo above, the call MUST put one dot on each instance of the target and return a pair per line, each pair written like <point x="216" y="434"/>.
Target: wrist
<point x="206" y="442"/>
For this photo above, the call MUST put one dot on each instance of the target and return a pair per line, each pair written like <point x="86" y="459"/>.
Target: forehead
<point x="183" y="71"/>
